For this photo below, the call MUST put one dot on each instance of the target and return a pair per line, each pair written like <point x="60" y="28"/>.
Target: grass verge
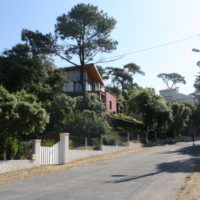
<point x="190" y="190"/>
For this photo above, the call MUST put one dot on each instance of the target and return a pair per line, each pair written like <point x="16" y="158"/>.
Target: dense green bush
<point x="59" y="108"/>
<point x="92" y="102"/>
<point x="156" y="114"/>
<point x="181" y="116"/>
<point x="87" y="124"/>
<point x="48" y="143"/>
<point x="20" y="114"/>
<point x="96" y="143"/>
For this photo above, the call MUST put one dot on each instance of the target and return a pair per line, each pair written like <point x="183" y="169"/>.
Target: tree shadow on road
<point x="178" y="166"/>
<point x="189" y="150"/>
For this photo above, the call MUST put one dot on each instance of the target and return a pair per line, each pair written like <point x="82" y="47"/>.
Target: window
<point x="110" y="105"/>
<point x="88" y="87"/>
<point x="77" y="86"/>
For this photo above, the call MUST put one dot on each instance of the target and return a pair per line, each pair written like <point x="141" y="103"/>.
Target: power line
<point x="118" y="57"/>
<point x="164" y="44"/>
<point x="113" y="58"/>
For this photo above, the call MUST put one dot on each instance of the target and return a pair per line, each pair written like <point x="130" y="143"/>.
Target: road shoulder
<point x="190" y="190"/>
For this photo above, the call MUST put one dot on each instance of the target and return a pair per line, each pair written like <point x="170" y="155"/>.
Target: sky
<point x="140" y="24"/>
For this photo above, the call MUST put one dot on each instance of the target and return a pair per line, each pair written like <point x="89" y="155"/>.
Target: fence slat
<point x="50" y="155"/>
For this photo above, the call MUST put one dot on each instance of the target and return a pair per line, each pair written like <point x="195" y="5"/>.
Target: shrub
<point x="87" y="124"/>
<point x="92" y="103"/>
<point x="48" y="143"/>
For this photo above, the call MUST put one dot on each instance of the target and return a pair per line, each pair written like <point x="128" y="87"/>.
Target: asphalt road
<point x="153" y="174"/>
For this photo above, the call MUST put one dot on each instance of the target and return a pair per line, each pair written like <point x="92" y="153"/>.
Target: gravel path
<point x="156" y="173"/>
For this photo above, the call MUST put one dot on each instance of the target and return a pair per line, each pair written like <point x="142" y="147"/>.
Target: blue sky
<point x="140" y="24"/>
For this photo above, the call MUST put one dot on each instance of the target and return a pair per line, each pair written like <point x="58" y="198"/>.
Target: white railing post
<point x="101" y="143"/>
<point x="36" y="150"/>
<point x="86" y="143"/>
<point x="128" y="139"/>
<point x="116" y="142"/>
<point x="4" y="155"/>
<point x="64" y="147"/>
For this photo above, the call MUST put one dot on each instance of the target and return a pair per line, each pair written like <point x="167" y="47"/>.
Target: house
<point x="93" y="81"/>
<point x="172" y="95"/>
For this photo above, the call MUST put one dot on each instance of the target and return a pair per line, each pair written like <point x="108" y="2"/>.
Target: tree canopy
<point x="80" y="35"/>
<point x="123" y="77"/>
<point x="154" y="110"/>
<point x="22" y="69"/>
<point x="87" y="31"/>
<point x="197" y="83"/>
<point x="181" y="115"/>
<point x="171" y="79"/>
<point x="92" y="103"/>
<point x="20" y="114"/>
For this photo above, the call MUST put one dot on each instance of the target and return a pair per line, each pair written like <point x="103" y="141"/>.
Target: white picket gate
<point x="50" y="155"/>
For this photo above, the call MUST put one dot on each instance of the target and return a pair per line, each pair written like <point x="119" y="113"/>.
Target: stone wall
<point x="111" y="149"/>
<point x="78" y="154"/>
<point x="105" y="149"/>
<point x="66" y="155"/>
<point x="15" y="165"/>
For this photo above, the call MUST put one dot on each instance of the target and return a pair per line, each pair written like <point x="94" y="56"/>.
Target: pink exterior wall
<point x="111" y="103"/>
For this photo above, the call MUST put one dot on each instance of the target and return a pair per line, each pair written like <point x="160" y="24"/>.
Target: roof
<point x="169" y="90"/>
<point x="173" y="95"/>
<point x="91" y="70"/>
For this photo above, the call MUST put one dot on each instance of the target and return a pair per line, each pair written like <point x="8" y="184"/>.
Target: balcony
<point x="75" y="86"/>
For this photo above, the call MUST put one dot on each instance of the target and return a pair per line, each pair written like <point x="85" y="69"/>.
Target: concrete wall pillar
<point x="101" y="143"/>
<point x="64" y="147"/>
<point x="36" y="150"/>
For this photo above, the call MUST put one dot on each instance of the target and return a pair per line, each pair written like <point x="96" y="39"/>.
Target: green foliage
<point x="10" y="144"/>
<point x="123" y="77"/>
<point x="91" y="102"/>
<point x="102" y="72"/>
<point x="197" y="84"/>
<point x="31" y="116"/>
<point x="87" y="124"/>
<point x="119" y="77"/>
<point x="172" y="78"/>
<point x="145" y="140"/>
<point x="21" y="69"/>
<point x="48" y="142"/>
<point x="133" y="69"/>
<point x="123" y="84"/>
<point x="40" y="45"/>
<point x="196" y="115"/>
<point x="88" y="30"/>
<point x="59" y="107"/>
<point x="20" y="113"/>
<point x="181" y="116"/>
<point x="121" y="104"/>
<point x="11" y="147"/>
<point x="114" y="90"/>
<point x="124" y="116"/>
<point x="155" y="113"/>
<point x="85" y="29"/>
<point x="71" y="144"/>
<point x="96" y="143"/>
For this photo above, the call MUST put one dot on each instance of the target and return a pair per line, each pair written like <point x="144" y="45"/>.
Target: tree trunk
<point x="156" y="136"/>
<point x="83" y="84"/>
<point x="4" y="155"/>
<point x="147" y="137"/>
<point x="174" y="133"/>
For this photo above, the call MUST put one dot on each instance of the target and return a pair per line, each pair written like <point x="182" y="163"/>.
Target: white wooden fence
<point x="50" y="155"/>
